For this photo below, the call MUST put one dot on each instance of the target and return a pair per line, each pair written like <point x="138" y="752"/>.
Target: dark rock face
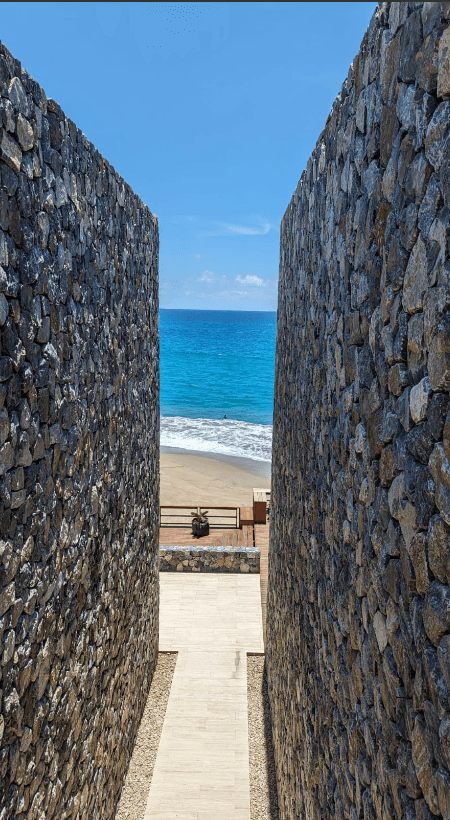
<point x="79" y="415"/>
<point x="358" y="631"/>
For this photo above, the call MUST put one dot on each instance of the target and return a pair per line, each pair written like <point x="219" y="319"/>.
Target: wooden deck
<point x="182" y="536"/>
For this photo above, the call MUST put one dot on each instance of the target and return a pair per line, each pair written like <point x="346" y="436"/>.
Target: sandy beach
<point x="210" y="478"/>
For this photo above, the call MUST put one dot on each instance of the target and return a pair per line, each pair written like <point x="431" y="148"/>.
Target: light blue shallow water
<point x="216" y="363"/>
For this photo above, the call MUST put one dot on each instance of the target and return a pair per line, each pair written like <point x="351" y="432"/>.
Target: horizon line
<point x="219" y="310"/>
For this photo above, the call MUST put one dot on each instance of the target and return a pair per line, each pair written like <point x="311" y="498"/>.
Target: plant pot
<point x="200" y="528"/>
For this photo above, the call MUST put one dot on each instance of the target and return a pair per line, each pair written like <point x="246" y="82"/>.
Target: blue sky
<point x="208" y="110"/>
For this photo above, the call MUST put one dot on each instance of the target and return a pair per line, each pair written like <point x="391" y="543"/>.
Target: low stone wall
<point x="79" y="465"/>
<point x="358" y="629"/>
<point x="209" y="559"/>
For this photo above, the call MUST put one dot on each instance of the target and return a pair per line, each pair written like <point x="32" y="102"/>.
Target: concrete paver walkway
<point x="201" y="771"/>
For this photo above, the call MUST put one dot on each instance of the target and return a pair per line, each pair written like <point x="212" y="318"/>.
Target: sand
<point x="210" y="478"/>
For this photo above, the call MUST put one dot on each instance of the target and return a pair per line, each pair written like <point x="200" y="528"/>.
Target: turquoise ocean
<point x="218" y="363"/>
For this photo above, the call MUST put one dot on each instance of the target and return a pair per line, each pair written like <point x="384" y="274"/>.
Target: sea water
<point x="217" y="363"/>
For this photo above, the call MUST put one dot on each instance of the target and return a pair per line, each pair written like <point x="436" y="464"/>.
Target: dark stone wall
<point x="358" y="632"/>
<point x="79" y="467"/>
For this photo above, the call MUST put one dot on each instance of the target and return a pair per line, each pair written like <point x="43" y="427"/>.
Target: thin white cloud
<point x="250" y="280"/>
<point x="228" y="294"/>
<point x="207" y="276"/>
<point x="214" y="227"/>
<point x="227" y="229"/>
<point x="240" y="229"/>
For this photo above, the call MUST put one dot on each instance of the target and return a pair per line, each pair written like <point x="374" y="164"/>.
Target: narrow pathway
<point x="202" y="767"/>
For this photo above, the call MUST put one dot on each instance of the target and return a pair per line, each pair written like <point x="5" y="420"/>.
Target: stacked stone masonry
<point x="209" y="559"/>
<point x="79" y="468"/>
<point x="358" y="632"/>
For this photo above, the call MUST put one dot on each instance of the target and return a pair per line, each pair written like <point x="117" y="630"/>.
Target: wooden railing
<point x="180" y="516"/>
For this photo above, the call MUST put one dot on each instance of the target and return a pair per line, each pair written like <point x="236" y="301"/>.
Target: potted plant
<point x="200" y="523"/>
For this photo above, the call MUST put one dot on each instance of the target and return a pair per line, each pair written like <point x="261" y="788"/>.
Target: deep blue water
<point x="216" y="363"/>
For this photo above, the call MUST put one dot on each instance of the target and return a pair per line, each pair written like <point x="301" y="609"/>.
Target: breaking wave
<point x="226" y="436"/>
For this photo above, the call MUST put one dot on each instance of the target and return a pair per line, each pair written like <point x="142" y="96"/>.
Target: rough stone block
<point x="419" y="398"/>
<point x="443" y="81"/>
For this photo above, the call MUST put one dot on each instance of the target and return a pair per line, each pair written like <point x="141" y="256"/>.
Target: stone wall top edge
<point x="207" y="548"/>
<point x="48" y="102"/>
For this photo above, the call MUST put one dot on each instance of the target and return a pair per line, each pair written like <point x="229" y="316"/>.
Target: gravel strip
<point x="263" y="783"/>
<point x="139" y="776"/>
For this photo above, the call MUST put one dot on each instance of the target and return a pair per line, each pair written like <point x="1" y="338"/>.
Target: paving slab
<point x="202" y="769"/>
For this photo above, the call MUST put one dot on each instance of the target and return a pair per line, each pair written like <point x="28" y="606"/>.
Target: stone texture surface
<point x="78" y="462"/>
<point x="358" y="630"/>
<point x="209" y="559"/>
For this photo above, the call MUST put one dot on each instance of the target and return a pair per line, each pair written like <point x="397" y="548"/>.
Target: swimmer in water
<point x="224" y="417"/>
